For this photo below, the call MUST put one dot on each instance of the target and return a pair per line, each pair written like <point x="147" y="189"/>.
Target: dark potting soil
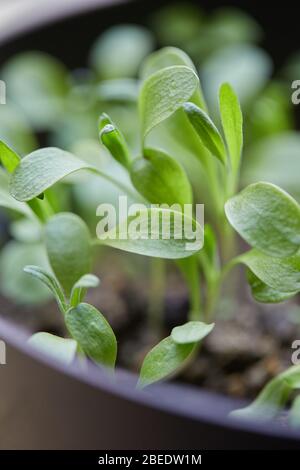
<point x="250" y="344"/>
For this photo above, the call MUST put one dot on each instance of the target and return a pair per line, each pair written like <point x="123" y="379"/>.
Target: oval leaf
<point x="281" y="274"/>
<point x="232" y="122"/>
<point x="267" y="218"/>
<point x="157" y="232"/>
<point x="41" y="169"/>
<point x="164" y="360"/>
<point x="165" y="57"/>
<point x="93" y="333"/>
<point x="164" y="92"/>
<point x="160" y="179"/>
<point x="69" y="248"/>
<point x="207" y="131"/>
<point x="61" y="349"/>
<point x="264" y="293"/>
<point x="273" y="397"/>
<point x="191" y="332"/>
<point x="14" y="283"/>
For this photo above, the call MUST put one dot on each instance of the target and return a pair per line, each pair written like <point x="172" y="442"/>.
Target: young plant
<point x="176" y="130"/>
<point x="273" y="398"/>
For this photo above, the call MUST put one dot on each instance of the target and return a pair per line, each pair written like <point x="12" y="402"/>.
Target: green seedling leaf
<point x="264" y="161"/>
<point x="26" y="230"/>
<point x="264" y="293"/>
<point x="118" y="90"/>
<point x="69" y="248"/>
<point x="8" y="202"/>
<point x="38" y="84"/>
<point x="267" y="218"/>
<point x="163" y="233"/>
<point x="165" y="57"/>
<point x="191" y="332"/>
<point x="294" y="415"/>
<point x="164" y="360"/>
<point x="118" y="52"/>
<point x="281" y="274"/>
<point x="14" y="283"/>
<point x="41" y="169"/>
<point x="246" y="67"/>
<point x="160" y="179"/>
<point x="10" y="159"/>
<point x="49" y="280"/>
<point x="80" y="287"/>
<point x="164" y="92"/>
<point x="207" y="131"/>
<point x="61" y="349"/>
<point x="272" y="398"/>
<point x="178" y="23"/>
<point x="232" y="122"/>
<point x="114" y="140"/>
<point x="93" y="333"/>
<point x="15" y="130"/>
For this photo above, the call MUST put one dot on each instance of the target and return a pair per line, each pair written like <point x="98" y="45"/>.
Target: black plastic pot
<point x="44" y="405"/>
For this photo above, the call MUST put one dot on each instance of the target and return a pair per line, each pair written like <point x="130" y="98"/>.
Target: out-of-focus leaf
<point x="15" y="130"/>
<point x="69" y="248"/>
<point x="14" y="283"/>
<point x="8" y="157"/>
<point x="38" y="84"/>
<point x="272" y="398"/>
<point x="275" y="159"/>
<point x="61" y="349"/>
<point x="247" y="69"/>
<point x="118" y="52"/>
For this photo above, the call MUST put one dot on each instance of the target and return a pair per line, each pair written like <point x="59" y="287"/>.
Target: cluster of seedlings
<point x="175" y="130"/>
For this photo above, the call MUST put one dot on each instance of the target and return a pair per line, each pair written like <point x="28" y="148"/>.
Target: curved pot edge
<point x="18" y="23"/>
<point x="176" y="399"/>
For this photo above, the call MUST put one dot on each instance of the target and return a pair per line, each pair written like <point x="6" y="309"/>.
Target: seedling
<point x="175" y="129"/>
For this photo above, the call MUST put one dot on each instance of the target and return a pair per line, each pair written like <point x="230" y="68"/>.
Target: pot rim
<point x="177" y="399"/>
<point x="159" y="396"/>
<point x="20" y="18"/>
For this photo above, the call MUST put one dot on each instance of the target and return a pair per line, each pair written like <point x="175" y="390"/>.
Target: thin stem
<point x="41" y="208"/>
<point x="190" y="270"/>
<point x="156" y="299"/>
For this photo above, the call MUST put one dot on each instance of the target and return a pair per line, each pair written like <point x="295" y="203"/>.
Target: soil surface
<point x="250" y="344"/>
